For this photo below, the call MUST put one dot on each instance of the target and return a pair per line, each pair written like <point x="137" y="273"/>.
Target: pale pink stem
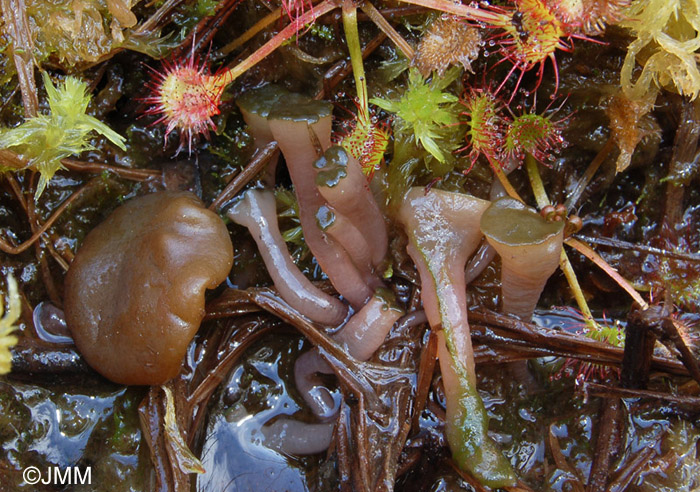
<point x="470" y="13"/>
<point x="257" y="212"/>
<point x="298" y="438"/>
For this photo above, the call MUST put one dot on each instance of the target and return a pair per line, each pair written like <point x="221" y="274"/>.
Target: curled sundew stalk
<point x="257" y="211"/>
<point x="367" y="140"/>
<point x="529" y="247"/>
<point x="442" y="229"/>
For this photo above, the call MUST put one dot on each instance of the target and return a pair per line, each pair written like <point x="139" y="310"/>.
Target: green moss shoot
<point x="46" y="139"/>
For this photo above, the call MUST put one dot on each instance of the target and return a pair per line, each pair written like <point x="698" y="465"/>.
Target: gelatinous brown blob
<point x="134" y="294"/>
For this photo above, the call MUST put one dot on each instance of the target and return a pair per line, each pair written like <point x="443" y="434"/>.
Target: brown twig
<point x="203" y="34"/>
<point x="14" y="250"/>
<point x="381" y="22"/>
<point x="625" y="245"/>
<point x="263" y="23"/>
<point x="11" y="160"/>
<point x="639" y="345"/>
<point x="670" y="331"/>
<point x="157" y="19"/>
<point x="342" y="446"/>
<point x="607" y="444"/>
<point x="590" y="172"/>
<point x="685" y="150"/>
<point x="218" y="363"/>
<point x="574" y="479"/>
<point x="17" y="23"/>
<point x="343" y="68"/>
<point x="122" y="172"/>
<point x="687" y="401"/>
<point x="631" y="471"/>
<point x="256" y="164"/>
<point x="380" y="419"/>
<point x="504" y="332"/>
<point x="36" y="357"/>
<point x="589" y="253"/>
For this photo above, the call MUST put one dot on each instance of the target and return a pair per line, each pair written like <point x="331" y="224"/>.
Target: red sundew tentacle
<point x="556" y="72"/>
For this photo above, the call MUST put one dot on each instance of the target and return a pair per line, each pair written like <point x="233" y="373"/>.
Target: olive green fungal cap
<point x="260" y="101"/>
<point x="509" y="222"/>
<point x="298" y="108"/>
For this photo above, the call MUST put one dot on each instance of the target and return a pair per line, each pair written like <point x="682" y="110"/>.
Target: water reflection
<point x="234" y="452"/>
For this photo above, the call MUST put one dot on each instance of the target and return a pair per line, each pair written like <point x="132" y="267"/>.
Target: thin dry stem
<point x="14" y="250"/>
<point x="310" y="16"/>
<point x="256" y="164"/>
<point x="122" y="172"/>
<point x="590" y="172"/>
<point x="379" y="20"/>
<point x="625" y="245"/>
<point x="258" y="27"/>
<point x="461" y="10"/>
<point x="17" y="23"/>
<point x="542" y="199"/>
<point x="586" y="251"/>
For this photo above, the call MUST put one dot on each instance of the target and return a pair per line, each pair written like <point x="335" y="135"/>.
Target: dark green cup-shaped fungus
<point x="529" y="247"/>
<point x="134" y="293"/>
<point x="255" y="106"/>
